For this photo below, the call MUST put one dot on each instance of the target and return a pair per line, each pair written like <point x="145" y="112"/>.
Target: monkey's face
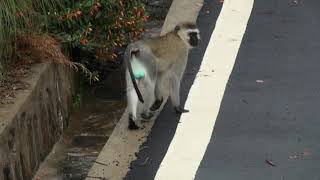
<point x="189" y="33"/>
<point x="193" y="39"/>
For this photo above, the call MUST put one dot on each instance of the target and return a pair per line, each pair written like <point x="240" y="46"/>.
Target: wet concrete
<point x="89" y="129"/>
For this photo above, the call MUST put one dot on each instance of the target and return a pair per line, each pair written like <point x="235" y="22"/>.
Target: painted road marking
<point x="194" y="132"/>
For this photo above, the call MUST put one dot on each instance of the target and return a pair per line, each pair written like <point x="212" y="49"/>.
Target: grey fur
<point x="164" y="59"/>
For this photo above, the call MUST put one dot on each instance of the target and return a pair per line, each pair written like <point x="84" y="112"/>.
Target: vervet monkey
<point x="158" y="64"/>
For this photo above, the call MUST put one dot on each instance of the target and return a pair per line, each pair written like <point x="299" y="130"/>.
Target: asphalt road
<point x="268" y="126"/>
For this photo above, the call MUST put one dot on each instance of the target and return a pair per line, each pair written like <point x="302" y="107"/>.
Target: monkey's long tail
<point x="128" y="57"/>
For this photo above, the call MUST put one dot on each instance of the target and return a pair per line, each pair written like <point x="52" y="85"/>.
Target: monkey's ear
<point x="177" y="28"/>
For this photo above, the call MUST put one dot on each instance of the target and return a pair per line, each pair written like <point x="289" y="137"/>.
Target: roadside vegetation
<point x="99" y="26"/>
<point x="17" y="18"/>
<point x="33" y="31"/>
<point x="37" y="30"/>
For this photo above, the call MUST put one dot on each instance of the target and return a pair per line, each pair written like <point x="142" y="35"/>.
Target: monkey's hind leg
<point x="149" y="98"/>
<point x="133" y="102"/>
<point x="132" y="108"/>
<point x="134" y="122"/>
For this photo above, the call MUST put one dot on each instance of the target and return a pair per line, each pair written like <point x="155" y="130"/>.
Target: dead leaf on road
<point x="269" y="162"/>
<point x="293" y="157"/>
<point x="307" y="152"/>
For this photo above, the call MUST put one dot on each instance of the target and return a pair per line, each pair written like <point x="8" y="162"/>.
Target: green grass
<point x="19" y="16"/>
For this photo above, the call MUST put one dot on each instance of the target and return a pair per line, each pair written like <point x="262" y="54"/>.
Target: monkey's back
<point x="167" y="49"/>
<point x="162" y="52"/>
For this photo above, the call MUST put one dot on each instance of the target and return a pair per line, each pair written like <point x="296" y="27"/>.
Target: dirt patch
<point x="34" y="48"/>
<point x="31" y="49"/>
<point x="12" y="83"/>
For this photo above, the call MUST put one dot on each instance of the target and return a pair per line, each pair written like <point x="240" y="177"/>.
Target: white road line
<point x="194" y="132"/>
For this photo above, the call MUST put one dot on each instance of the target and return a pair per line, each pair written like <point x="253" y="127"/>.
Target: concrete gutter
<point x="114" y="160"/>
<point x="34" y="122"/>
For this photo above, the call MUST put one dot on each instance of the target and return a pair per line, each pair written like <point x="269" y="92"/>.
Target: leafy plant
<point x="17" y="17"/>
<point x="99" y="26"/>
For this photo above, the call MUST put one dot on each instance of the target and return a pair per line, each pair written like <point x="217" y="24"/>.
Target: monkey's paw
<point x="134" y="125"/>
<point x="156" y="105"/>
<point x="180" y="110"/>
<point x="147" y="115"/>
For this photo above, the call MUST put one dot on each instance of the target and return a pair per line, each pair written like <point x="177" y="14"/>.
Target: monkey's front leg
<point x="175" y="96"/>
<point x="179" y="110"/>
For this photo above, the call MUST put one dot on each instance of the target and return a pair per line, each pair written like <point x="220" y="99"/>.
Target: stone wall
<point x="32" y="125"/>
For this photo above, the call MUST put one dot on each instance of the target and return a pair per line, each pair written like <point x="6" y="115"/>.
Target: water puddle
<point x="88" y="131"/>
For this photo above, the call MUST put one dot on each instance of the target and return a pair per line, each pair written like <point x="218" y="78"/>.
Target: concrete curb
<point x="31" y="126"/>
<point x="114" y="159"/>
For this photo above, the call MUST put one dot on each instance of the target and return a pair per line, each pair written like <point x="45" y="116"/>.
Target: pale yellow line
<point x="194" y="132"/>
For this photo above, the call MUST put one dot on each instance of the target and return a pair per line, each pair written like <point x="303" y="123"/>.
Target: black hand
<point x="132" y="125"/>
<point x="180" y="110"/>
<point x="147" y="115"/>
<point x="156" y="105"/>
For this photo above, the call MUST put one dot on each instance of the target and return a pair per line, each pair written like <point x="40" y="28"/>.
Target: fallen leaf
<point x="293" y="157"/>
<point x="244" y="101"/>
<point x="306" y="153"/>
<point x="269" y="162"/>
<point x="295" y="2"/>
<point x="145" y="161"/>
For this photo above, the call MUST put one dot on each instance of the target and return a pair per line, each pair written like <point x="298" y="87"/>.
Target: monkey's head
<point x="189" y="33"/>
